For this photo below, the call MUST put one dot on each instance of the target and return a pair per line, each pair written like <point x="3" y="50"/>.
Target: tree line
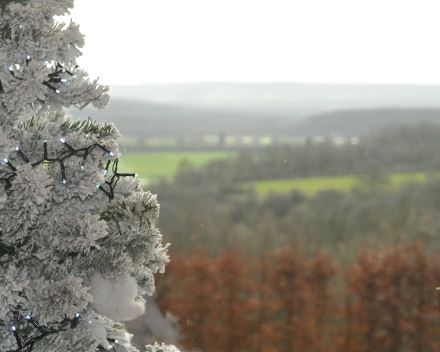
<point x="293" y="300"/>
<point x="397" y="149"/>
<point x="336" y="222"/>
<point x="210" y="206"/>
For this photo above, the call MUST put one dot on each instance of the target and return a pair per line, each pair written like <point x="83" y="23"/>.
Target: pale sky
<point x="328" y="41"/>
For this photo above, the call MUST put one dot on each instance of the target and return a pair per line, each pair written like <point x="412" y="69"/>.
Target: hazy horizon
<point x="282" y="96"/>
<point x="277" y="82"/>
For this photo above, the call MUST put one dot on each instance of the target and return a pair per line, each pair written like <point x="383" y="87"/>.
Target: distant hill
<point x="355" y="123"/>
<point x="299" y="99"/>
<point x="265" y="109"/>
<point x="146" y="120"/>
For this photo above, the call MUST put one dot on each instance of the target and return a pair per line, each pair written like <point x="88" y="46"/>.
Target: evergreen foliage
<point x="73" y="265"/>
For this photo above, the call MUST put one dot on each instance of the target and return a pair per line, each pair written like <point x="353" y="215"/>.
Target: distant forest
<point x="142" y="121"/>
<point x="294" y="300"/>
<point x="337" y="271"/>
<point x="210" y="206"/>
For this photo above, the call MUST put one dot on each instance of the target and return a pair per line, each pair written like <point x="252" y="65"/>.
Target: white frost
<point x="96" y="329"/>
<point x="115" y="299"/>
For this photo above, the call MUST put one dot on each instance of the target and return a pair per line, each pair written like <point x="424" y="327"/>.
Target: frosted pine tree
<point x="78" y="241"/>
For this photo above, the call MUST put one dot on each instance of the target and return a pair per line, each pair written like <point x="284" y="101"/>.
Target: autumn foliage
<point x="290" y="300"/>
<point x="397" y="303"/>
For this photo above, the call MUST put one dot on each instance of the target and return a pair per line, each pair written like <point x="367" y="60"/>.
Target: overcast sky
<point x="338" y="41"/>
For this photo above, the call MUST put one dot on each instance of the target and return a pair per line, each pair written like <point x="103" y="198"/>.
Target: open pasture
<point x="313" y="185"/>
<point x="154" y="165"/>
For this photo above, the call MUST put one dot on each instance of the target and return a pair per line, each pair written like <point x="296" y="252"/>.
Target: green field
<point x="313" y="185"/>
<point x="153" y="165"/>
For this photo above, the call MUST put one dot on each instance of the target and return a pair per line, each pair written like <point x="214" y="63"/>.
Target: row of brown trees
<point x="290" y="300"/>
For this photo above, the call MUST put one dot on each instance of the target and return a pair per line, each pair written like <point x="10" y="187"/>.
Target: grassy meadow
<point x="313" y="185"/>
<point x="308" y="185"/>
<point x="154" y="165"/>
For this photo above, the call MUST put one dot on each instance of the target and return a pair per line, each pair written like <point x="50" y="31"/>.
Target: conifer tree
<point x="396" y="306"/>
<point x="78" y="240"/>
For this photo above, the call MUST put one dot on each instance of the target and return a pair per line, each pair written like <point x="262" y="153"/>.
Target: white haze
<point x="341" y="41"/>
